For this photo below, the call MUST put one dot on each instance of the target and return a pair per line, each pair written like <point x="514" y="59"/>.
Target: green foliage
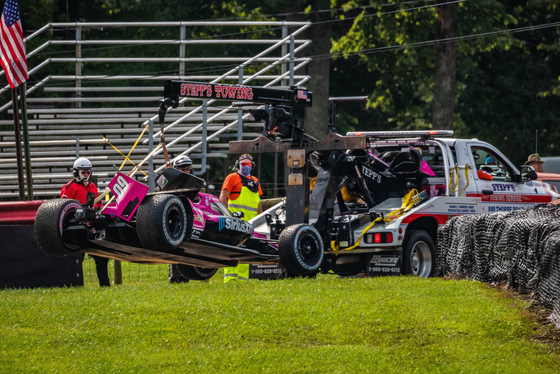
<point x="323" y="325"/>
<point x="501" y="105"/>
<point x="507" y="83"/>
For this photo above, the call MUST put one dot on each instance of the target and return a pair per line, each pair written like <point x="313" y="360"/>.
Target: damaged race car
<point x="177" y="224"/>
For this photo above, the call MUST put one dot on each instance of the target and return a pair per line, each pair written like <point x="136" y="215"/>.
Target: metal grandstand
<point x="85" y="98"/>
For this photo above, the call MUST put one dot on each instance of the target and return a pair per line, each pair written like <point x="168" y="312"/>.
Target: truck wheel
<point x="161" y="222"/>
<point x="195" y="272"/>
<point x="419" y="254"/>
<point x="52" y="219"/>
<point x="301" y="250"/>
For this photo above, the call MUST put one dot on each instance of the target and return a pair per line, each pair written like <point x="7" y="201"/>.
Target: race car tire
<point x="161" y="222"/>
<point x="196" y="273"/>
<point x="301" y="250"/>
<point x="53" y="216"/>
<point x="419" y="254"/>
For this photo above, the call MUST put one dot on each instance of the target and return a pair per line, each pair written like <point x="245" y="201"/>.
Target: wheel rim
<point x="309" y="248"/>
<point x="421" y="259"/>
<point x="175" y="223"/>
<point x="64" y="221"/>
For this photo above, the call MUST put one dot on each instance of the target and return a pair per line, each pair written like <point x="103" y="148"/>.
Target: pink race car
<point x="176" y="224"/>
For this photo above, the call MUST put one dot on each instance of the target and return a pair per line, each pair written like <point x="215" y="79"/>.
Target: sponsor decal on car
<point x="234" y="225"/>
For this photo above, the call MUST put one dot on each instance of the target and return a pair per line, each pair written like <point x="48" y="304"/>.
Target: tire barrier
<point x="519" y="248"/>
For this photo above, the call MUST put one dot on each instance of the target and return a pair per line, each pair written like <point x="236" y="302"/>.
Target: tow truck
<point x="371" y="202"/>
<point x="368" y="202"/>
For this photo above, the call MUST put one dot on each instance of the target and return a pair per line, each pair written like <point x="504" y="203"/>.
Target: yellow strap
<point x="134" y="146"/>
<point x="467" y="177"/>
<point x="122" y="154"/>
<point x="453" y="188"/>
<point x="130" y="174"/>
<point x="408" y="202"/>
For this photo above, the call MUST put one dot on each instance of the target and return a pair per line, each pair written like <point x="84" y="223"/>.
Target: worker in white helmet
<point x="83" y="190"/>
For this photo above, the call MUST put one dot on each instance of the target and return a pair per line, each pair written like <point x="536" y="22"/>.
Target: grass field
<point x="322" y="325"/>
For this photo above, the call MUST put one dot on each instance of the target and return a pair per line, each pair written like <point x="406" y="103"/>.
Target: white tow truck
<point x="376" y="210"/>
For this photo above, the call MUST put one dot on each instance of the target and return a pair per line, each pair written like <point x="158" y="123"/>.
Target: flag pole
<point x="28" y="175"/>
<point x="17" y="132"/>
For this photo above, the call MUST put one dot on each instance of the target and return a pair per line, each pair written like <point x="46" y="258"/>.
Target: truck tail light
<point x="379" y="238"/>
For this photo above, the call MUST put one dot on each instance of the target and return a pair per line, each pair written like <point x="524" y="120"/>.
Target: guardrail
<point x="19" y="212"/>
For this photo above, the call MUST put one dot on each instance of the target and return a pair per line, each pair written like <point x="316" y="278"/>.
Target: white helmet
<point x="182" y="162"/>
<point x="80" y="165"/>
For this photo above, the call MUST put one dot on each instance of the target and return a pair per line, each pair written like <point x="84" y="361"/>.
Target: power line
<point x="288" y="14"/>
<point x="368" y="50"/>
<point x="436" y="41"/>
<point x="395" y="11"/>
<point x="272" y="29"/>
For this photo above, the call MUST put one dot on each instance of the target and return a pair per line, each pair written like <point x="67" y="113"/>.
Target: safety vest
<point x="248" y="200"/>
<point x="248" y="203"/>
<point x="236" y="273"/>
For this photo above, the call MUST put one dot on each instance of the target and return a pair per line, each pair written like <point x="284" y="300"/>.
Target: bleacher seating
<point x="80" y="111"/>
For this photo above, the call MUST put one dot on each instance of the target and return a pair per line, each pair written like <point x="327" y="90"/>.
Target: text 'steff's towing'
<point x="217" y="91"/>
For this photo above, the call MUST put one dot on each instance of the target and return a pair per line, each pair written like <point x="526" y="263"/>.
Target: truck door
<point x="498" y="183"/>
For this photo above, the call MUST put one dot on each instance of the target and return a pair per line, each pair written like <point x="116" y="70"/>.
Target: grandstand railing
<point x="86" y="96"/>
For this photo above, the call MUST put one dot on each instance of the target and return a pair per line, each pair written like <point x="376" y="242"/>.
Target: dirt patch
<point x="545" y="331"/>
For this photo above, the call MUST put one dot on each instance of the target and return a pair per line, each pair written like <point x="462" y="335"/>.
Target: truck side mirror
<point x="528" y="173"/>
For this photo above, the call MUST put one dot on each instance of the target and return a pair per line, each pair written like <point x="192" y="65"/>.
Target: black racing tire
<point x="419" y="253"/>
<point x="196" y="273"/>
<point x="161" y="222"/>
<point x="301" y="250"/>
<point x="51" y="221"/>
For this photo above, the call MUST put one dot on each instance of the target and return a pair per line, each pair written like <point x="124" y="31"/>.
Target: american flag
<point x="12" y="50"/>
<point x="301" y="94"/>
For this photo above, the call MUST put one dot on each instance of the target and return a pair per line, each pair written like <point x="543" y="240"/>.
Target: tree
<point x="443" y="103"/>
<point x="504" y="73"/>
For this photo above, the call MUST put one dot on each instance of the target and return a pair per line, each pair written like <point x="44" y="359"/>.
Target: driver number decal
<point x="129" y="194"/>
<point x="120" y="186"/>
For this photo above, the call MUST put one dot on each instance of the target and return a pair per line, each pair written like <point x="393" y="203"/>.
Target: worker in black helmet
<point x="184" y="164"/>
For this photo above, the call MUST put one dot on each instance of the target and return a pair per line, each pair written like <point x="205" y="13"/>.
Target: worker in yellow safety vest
<point x="241" y="192"/>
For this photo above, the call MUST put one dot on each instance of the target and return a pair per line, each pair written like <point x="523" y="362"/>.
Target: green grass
<point x="323" y="325"/>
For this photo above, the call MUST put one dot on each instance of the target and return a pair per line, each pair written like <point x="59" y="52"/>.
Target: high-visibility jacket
<point x="248" y="200"/>
<point x="248" y="203"/>
<point x="236" y="273"/>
